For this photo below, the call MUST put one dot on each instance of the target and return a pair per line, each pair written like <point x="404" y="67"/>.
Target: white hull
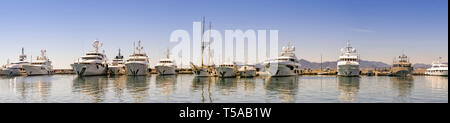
<point x="280" y="70"/>
<point x="12" y="72"/>
<point x="443" y="73"/>
<point x="37" y="70"/>
<point x="348" y="70"/>
<point x="117" y="70"/>
<point x="165" y="70"/>
<point x="89" y="69"/>
<point x="203" y="72"/>
<point x="247" y="73"/>
<point x="225" y="72"/>
<point x="136" y="69"/>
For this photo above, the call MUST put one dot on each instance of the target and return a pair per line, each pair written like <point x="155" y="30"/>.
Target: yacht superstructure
<point x="402" y="67"/>
<point x="348" y="64"/>
<point x="286" y="64"/>
<point x="117" y="66"/>
<point x="166" y="66"/>
<point x="41" y="66"/>
<point x="92" y="63"/>
<point x="16" y="68"/>
<point x="137" y="63"/>
<point x="437" y="69"/>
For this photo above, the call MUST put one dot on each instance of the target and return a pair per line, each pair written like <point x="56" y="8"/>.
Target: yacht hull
<point x="225" y="72"/>
<point x="12" y="72"/>
<point x="203" y="72"/>
<point x="37" y="70"/>
<point x="89" y="69"/>
<point x="281" y="70"/>
<point x="402" y="71"/>
<point x="165" y="70"/>
<point x="247" y="73"/>
<point x="348" y="70"/>
<point x="442" y="73"/>
<point x="117" y="70"/>
<point x="136" y="69"/>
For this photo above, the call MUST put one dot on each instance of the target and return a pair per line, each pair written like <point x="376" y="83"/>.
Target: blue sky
<point x="379" y="29"/>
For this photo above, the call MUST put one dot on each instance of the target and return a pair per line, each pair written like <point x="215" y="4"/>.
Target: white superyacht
<point x="41" y="66"/>
<point x="137" y="63"/>
<point x="166" y="66"/>
<point x="285" y="65"/>
<point x="117" y="66"/>
<point x="348" y="64"/>
<point x="93" y="63"/>
<point x="16" y="68"/>
<point x="437" y="69"/>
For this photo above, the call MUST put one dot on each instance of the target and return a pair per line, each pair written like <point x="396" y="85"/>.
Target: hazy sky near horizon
<point x="379" y="29"/>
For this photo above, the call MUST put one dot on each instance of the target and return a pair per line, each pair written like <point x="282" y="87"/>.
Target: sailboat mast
<point x="321" y="62"/>
<point x="203" y="42"/>
<point x="209" y="45"/>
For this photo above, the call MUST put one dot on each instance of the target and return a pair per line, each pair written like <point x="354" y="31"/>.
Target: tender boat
<point x="247" y="71"/>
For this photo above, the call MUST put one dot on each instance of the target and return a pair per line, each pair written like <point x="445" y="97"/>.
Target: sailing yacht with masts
<point x="16" y="68"/>
<point x="93" y="63"/>
<point x="166" y="66"/>
<point x="437" y="69"/>
<point x="117" y="66"/>
<point x="203" y="70"/>
<point x="285" y="65"/>
<point x="137" y="63"/>
<point x="402" y="67"/>
<point x="348" y="64"/>
<point x="41" y="66"/>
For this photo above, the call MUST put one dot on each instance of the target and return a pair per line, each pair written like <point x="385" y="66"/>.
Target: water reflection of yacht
<point x="138" y="87"/>
<point x="438" y="82"/>
<point x="403" y="86"/>
<point x="91" y="86"/>
<point x="167" y="84"/>
<point x="226" y="84"/>
<point x="203" y="84"/>
<point x="26" y="87"/>
<point x="119" y="85"/>
<point x="285" y="87"/>
<point x="348" y="88"/>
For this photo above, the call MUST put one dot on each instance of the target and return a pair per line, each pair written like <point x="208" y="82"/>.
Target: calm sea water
<point x="187" y="89"/>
